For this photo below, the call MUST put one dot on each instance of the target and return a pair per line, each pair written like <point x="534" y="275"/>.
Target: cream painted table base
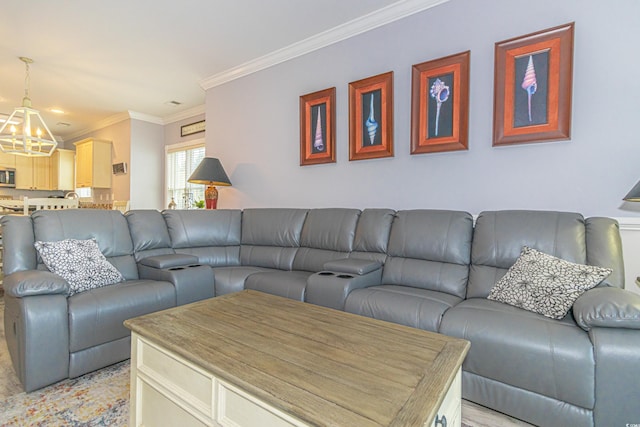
<point x="253" y="359"/>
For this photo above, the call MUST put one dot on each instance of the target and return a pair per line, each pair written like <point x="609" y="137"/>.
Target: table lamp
<point x="634" y="194"/>
<point x="210" y="173"/>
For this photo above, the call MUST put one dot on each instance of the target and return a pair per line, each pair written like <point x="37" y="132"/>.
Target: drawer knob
<point x="442" y="421"/>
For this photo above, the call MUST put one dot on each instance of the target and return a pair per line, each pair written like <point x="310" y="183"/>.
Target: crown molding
<point x="186" y="114"/>
<point x="145" y="117"/>
<point x="111" y="120"/>
<point x="378" y="18"/>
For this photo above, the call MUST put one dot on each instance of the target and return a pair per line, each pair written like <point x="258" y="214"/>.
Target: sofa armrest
<point x="34" y="282"/>
<point x="169" y="260"/>
<point x="355" y="266"/>
<point x="331" y="289"/>
<point x="607" y="308"/>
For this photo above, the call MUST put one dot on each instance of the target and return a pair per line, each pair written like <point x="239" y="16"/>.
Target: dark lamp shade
<point x="634" y="194"/>
<point x="209" y="172"/>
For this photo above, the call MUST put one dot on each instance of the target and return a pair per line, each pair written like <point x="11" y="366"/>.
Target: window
<point x="181" y="162"/>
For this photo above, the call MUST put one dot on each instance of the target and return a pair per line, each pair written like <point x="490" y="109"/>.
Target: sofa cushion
<point x="327" y="234"/>
<point x="108" y="227"/>
<point x="526" y="350"/>
<point x="419" y="308"/>
<point x="79" y="262"/>
<point x="430" y="249"/>
<point x="231" y="279"/>
<point x="499" y="236"/>
<point x="288" y="284"/>
<point x="271" y="237"/>
<point x="96" y="316"/>
<point x="545" y="284"/>
<point x="149" y="233"/>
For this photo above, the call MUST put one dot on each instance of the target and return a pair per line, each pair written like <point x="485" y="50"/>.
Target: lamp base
<point x="211" y="197"/>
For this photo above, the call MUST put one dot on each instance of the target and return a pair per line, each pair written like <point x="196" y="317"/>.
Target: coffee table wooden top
<point x="323" y="366"/>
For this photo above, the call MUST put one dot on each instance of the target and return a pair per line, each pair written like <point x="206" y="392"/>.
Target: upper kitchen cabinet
<point x="33" y="173"/>
<point x="93" y="163"/>
<point x="62" y="170"/>
<point x="7" y="160"/>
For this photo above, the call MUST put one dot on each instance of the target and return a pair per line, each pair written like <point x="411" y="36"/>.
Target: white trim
<point x="186" y="114"/>
<point x="111" y="120"/>
<point x="629" y="223"/>
<point x="179" y="146"/>
<point x="375" y="19"/>
<point x="116" y="118"/>
<point x="145" y="117"/>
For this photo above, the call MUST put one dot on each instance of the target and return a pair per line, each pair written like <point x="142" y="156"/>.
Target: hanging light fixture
<point x="24" y="133"/>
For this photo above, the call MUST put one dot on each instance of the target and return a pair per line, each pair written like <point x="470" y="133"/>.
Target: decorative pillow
<point x="545" y="284"/>
<point x="79" y="262"/>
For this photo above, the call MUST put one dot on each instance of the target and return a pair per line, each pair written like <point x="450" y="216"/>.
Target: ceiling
<point x="94" y="59"/>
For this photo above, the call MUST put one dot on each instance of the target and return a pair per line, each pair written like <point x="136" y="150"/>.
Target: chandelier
<point x="24" y="133"/>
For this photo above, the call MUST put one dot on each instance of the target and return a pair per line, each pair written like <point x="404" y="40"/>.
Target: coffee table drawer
<point x="176" y="378"/>
<point x="237" y="408"/>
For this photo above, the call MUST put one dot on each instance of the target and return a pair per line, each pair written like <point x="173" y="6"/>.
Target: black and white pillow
<point x="79" y="262"/>
<point x="545" y="284"/>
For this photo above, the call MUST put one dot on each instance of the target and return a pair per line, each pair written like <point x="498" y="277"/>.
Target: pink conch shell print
<point x="529" y="82"/>
<point x="439" y="92"/>
<point x="371" y="124"/>
<point x="318" y="143"/>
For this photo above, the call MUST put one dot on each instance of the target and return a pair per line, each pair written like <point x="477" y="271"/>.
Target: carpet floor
<point x="101" y="398"/>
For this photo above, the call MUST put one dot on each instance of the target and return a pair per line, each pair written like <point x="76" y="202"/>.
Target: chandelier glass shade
<point x="24" y="132"/>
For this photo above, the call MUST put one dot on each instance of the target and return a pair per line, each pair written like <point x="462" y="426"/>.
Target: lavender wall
<point x="252" y="122"/>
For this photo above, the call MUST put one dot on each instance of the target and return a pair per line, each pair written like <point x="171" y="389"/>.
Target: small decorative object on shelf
<point x="172" y="204"/>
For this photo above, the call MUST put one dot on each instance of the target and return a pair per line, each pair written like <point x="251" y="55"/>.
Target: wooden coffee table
<point x="254" y="359"/>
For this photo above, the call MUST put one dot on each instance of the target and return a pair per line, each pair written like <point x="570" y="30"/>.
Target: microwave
<point x="8" y="177"/>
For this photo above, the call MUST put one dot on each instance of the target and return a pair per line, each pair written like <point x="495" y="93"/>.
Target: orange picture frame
<point x="317" y="127"/>
<point x="533" y="87"/>
<point x="371" y="117"/>
<point x="440" y="104"/>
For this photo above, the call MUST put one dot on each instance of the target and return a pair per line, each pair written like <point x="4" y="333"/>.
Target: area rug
<point x="100" y="398"/>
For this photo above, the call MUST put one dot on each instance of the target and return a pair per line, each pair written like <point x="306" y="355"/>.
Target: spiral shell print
<point x="318" y="143"/>
<point x="529" y="83"/>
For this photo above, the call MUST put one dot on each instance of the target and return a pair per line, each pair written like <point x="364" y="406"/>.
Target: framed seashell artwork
<point x="371" y="117"/>
<point x="317" y="127"/>
<point x="440" y="104"/>
<point x="532" y="87"/>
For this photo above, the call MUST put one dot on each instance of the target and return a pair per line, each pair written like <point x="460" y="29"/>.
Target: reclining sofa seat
<point x="323" y="235"/>
<point x="52" y="336"/>
<point x="522" y="363"/>
<point x="157" y="260"/>
<point x="213" y="237"/>
<point x="426" y="270"/>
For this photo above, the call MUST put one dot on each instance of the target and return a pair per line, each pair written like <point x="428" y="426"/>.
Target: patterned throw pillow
<point x="545" y="284"/>
<point x="79" y="262"/>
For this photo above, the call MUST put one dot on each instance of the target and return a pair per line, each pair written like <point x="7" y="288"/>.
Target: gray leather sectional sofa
<point x="427" y="269"/>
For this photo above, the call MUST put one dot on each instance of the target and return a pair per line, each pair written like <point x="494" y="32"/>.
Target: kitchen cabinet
<point x="63" y="170"/>
<point x="7" y="160"/>
<point x="33" y="173"/>
<point x="93" y="163"/>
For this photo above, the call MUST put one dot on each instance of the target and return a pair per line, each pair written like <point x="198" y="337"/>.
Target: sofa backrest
<point x="430" y="249"/>
<point x="372" y="235"/>
<point x="17" y="238"/>
<point x="211" y="235"/>
<point x="149" y="233"/>
<point x="500" y="235"/>
<point x="327" y="235"/>
<point x="271" y="237"/>
<point x="108" y="227"/>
